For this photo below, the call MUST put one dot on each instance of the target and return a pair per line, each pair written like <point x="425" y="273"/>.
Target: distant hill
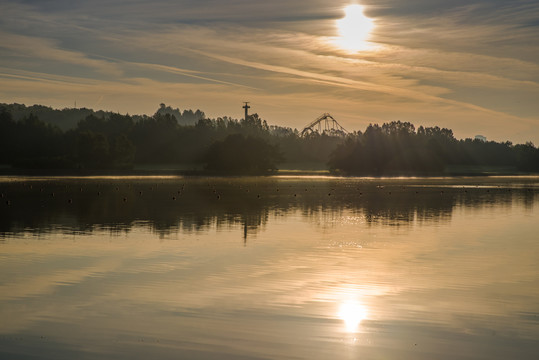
<point x="65" y="119"/>
<point x="68" y="118"/>
<point x="187" y="117"/>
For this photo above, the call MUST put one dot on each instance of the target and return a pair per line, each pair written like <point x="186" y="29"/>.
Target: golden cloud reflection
<point x="354" y="29"/>
<point x="352" y="313"/>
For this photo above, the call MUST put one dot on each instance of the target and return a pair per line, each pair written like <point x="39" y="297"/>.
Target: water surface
<point x="269" y="268"/>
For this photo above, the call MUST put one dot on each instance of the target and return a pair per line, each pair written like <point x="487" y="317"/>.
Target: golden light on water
<point x="352" y="313"/>
<point x="354" y="29"/>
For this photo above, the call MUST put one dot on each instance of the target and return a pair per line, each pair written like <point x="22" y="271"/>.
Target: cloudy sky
<point x="469" y="65"/>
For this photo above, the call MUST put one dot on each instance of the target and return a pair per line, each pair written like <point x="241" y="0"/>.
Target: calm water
<point x="269" y="268"/>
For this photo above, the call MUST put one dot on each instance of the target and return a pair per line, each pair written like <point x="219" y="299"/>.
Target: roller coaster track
<point x="325" y="123"/>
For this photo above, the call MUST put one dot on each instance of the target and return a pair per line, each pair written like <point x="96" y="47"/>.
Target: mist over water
<point x="269" y="267"/>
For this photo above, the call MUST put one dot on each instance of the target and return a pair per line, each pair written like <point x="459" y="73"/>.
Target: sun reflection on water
<point x="352" y="313"/>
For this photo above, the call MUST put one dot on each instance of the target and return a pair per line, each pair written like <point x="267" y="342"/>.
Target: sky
<point x="468" y="65"/>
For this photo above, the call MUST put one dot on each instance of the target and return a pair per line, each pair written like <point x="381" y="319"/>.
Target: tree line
<point x="397" y="148"/>
<point x="248" y="146"/>
<point x="67" y="119"/>
<point x="115" y="141"/>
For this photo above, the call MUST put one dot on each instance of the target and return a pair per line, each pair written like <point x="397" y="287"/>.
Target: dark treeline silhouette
<point x="68" y="118"/>
<point x="230" y="155"/>
<point x="114" y="141"/>
<point x="396" y="148"/>
<point x="248" y="146"/>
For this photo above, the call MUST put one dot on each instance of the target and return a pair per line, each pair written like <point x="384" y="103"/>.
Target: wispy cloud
<point x="37" y="50"/>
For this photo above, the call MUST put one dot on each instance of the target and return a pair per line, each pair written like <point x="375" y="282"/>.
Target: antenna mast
<point x="246" y="107"/>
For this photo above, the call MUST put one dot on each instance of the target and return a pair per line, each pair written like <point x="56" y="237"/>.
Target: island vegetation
<point x="84" y="140"/>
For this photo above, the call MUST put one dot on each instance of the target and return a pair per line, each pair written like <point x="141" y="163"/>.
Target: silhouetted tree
<point x="7" y="133"/>
<point x="527" y="157"/>
<point x="237" y="154"/>
<point x="122" y="151"/>
<point x="395" y="148"/>
<point x="92" y="150"/>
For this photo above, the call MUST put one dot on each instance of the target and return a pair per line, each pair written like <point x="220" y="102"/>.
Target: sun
<point x="354" y="29"/>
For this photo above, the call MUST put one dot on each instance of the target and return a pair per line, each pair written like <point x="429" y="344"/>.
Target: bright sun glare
<point x="354" y="29"/>
<point x="352" y="313"/>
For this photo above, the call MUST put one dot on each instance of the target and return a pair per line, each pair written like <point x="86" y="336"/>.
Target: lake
<point x="269" y="268"/>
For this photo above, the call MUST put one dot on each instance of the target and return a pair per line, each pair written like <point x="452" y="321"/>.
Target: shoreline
<point x="201" y="173"/>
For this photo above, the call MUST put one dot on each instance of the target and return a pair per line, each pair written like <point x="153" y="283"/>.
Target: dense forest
<point x="89" y="140"/>
<point x="115" y="141"/>
<point x="396" y="148"/>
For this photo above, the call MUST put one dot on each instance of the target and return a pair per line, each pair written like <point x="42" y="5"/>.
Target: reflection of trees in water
<point x="528" y="198"/>
<point x="117" y="206"/>
<point x="388" y="205"/>
<point x="199" y="204"/>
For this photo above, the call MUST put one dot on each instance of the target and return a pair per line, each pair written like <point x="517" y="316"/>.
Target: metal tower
<point x="246" y="107"/>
